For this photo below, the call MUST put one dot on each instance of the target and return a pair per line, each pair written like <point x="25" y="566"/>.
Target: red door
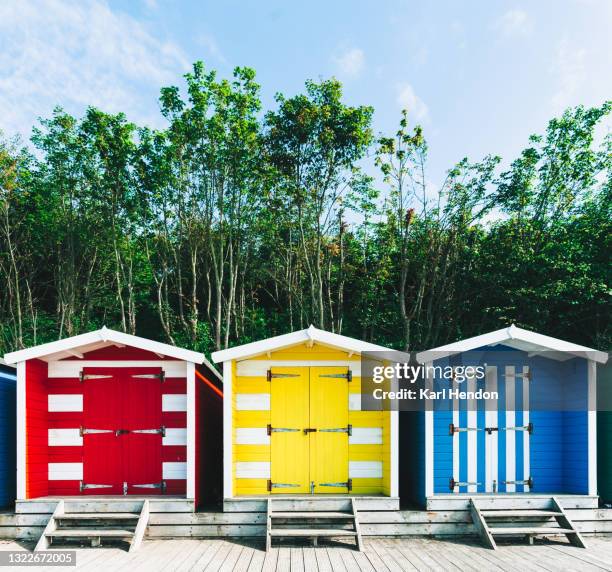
<point x="142" y="417"/>
<point x="102" y="448"/>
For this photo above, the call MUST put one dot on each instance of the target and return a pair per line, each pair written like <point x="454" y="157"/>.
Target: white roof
<point x="2" y="362"/>
<point x="309" y="335"/>
<point x="76" y="346"/>
<point x="519" y="339"/>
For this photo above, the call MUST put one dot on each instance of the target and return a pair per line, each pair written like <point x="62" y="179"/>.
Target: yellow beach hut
<point x="293" y="422"/>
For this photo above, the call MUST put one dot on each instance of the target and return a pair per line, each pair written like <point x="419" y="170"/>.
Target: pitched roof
<point x="310" y="334"/>
<point x="83" y="343"/>
<point x="519" y="339"/>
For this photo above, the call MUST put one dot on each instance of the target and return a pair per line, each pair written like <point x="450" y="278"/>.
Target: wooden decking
<point x="379" y="555"/>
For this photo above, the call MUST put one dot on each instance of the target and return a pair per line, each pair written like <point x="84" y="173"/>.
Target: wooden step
<point x="313" y="514"/>
<point x="520" y="513"/>
<point x="311" y="532"/>
<point x="99" y="516"/>
<point x="514" y="531"/>
<point x="87" y="533"/>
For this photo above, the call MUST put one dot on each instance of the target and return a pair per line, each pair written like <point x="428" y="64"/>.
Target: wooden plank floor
<point x="380" y="555"/>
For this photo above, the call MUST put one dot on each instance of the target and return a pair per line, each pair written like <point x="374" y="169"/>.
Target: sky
<point x="480" y="76"/>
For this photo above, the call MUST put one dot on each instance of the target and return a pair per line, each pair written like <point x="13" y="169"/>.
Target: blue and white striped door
<point x="491" y="439"/>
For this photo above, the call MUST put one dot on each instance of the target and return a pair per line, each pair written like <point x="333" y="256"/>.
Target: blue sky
<point x="479" y="75"/>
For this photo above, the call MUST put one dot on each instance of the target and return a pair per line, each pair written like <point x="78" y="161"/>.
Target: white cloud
<point x="350" y="62"/>
<point x="78" y="53"/>
<point x="570" y="69"/>
<point x="514" y="23"/>
<point x="408" y="99"/>
<point x="209" y="42"/>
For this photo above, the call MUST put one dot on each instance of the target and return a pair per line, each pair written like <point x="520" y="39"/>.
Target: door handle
<point x="309" y="430"/>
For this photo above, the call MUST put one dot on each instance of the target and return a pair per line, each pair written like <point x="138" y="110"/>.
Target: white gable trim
<point x="99" y="338"/>
<point x="311" y="335"/>
<point x="539" y="342"/>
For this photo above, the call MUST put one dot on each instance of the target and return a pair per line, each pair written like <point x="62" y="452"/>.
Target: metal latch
<point x="528" y="428"/>
<point x="119" y="432"/>
<point x="271" y="375"/>
<point x="272" y="485"/>
<point x="161" y="431"/>
<point x="84" y="376"/>
<point x="528" y="482"/>
<point x="452" y="428"/>
<point x="344" y="484"/>
<point x="309" y="430"/>
<point x="348" y="375"/>
<point x="348" y="429"/>
<point x="161" y="376"/>
<point x="452" y="483"/>
<point x="83" y="431"/>
<point x="161" y="485"/>
<point x="271" y="430"/>
<point x="526" y="375"/>
<point x="83" y="486"/>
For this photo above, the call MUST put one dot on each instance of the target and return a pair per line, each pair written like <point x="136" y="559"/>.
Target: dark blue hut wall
<point x="412" y="458"/>
<point x="7" y="437"/>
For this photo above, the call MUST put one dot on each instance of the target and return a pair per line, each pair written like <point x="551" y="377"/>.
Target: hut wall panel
<point x="575" y="429"/>
<point x="36" y="429"/>
<point x="7" y="437"/>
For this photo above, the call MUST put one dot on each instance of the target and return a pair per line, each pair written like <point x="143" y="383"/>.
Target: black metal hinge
<point x="161" y="376"/>
<point x="348" y="375"/>
<point x="270" y="375"/>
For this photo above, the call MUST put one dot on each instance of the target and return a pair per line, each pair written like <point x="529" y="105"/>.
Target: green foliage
<point x="233" y="224"/>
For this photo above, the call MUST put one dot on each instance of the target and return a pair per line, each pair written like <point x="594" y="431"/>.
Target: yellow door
<point x="329" y="415"/>
<point x="289" y="444"/>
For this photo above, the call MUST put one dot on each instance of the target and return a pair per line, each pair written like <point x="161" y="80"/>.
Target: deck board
<point x="384" y="555"/>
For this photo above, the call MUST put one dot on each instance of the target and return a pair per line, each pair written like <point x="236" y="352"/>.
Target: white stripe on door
<point x="174" y="402"/>
<point x="65" y="471"/>
<point x="65" y="402"/>
<point x="65" y="438"/>
<point x="253" y="401"/>
<point x="526" y="435"/>
<point x="510" y="422"/>
<point x="365" y="469"/>
<point x="252" y="470"/>
<point x="175" y="437"/>
<point x="366" y="436"/>
<point x="455" y="438"/>
<point x="472" y="438"/>
<point x="252" y="436"/>
<point x="354" y="401"/>
<point x="174" y="470"/>
<point x="491" y="440"/>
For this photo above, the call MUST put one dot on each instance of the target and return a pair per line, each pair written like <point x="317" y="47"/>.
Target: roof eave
<point x="310" y="334"/>
<point x="103" y="334"/>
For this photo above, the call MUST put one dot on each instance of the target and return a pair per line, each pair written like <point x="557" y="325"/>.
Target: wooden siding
<point x="559" y="443"/>
<point x="255" y="390"/>
<point x="7" y="436"/>
<point x="36" y="429"/>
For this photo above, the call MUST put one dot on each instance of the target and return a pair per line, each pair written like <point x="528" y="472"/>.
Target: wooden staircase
<point x="523" y="521"/>
<point x="312" y="518"/>
<point x="94" y="527"/>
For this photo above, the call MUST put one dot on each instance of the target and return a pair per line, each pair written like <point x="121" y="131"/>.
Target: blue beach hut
<point x="536" y="433"/>
<point x="7" y="435"/>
